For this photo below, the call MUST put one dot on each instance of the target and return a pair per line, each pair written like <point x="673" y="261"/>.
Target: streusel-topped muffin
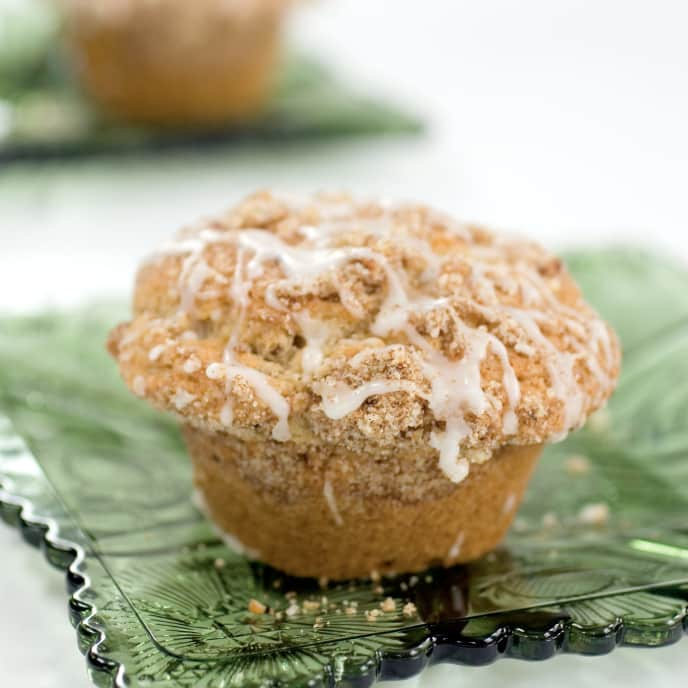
<point x="363" y="386"/>
<point x="176" y="62"/>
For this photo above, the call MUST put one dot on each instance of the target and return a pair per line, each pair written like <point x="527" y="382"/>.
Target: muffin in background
<point x="173" y="62"/>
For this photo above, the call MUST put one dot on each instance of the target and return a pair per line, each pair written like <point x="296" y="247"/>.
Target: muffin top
<point x="372" y="326"/>
<point x="197" y="12"/>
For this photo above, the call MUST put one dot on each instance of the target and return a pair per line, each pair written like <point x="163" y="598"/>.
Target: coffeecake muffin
<point x="176" y="62"/>
<point x="362" y="386"/>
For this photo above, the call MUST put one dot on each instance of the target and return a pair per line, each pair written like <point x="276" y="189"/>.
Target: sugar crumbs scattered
<point x="409" y="609"/>
<point x="549" y="520"/>
<point x="388" y="605"/>
<point x="594" y="514"/>
<point x="311" y="605"/>
<point x="256" y="607"/>
<point x="576" y="464"/>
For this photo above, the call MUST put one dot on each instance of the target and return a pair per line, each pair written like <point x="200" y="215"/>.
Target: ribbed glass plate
<point x="598" y="554"/>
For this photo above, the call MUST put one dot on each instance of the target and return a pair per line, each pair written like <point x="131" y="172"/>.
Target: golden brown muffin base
<point x="383" y="534"/>
<point x="133" y="79"/>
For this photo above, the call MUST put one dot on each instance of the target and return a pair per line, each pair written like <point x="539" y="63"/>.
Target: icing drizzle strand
<point x="453" y="388"/>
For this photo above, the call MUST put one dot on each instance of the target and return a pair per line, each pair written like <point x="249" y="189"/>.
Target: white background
<point x="566" y="120"/>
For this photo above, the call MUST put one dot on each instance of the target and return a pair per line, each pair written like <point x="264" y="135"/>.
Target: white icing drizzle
<point x="191" y="365"/>
<point x="300" y="263"/>
<point x="266" y="393"/>
<point x="316" y="333"/>
<point x="328" y="493"/>
<point x="155" y="353"/>
<point x="215" y="371"/>
<point x="277" y="404"/>
<point x="193" y="245"/>
<point x="509" y="503"/>
<point x="560" y="367"/>
<point x="594" y="330"/>
<point x="259" y="382"/>
<point x="455" y="549"/>
<point x="454" y="387"/>
<point x="194" y="273"/>
<point x="339" y="399"/>
<point x="447" y="443"/>
<point x="227" y="414"/>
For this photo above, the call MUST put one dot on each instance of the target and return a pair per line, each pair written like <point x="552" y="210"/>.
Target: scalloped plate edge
<point x="44" y="533"/>
<point x="443" y="643"/>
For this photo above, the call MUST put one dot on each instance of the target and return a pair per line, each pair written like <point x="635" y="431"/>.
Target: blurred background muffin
<point x="176" y="62"/>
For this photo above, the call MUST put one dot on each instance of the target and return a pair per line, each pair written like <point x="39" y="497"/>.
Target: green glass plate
<point x="598" y="554"/>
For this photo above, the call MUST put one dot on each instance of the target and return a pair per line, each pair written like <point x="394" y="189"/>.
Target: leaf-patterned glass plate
<point x="598" y="554"/>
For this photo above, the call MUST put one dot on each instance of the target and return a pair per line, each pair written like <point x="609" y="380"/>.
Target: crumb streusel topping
<point x="367" y="325"/>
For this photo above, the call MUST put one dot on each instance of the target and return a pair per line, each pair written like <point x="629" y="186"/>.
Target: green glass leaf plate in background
<point x="43" y="113"/>
<point x="598" y="554"/>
